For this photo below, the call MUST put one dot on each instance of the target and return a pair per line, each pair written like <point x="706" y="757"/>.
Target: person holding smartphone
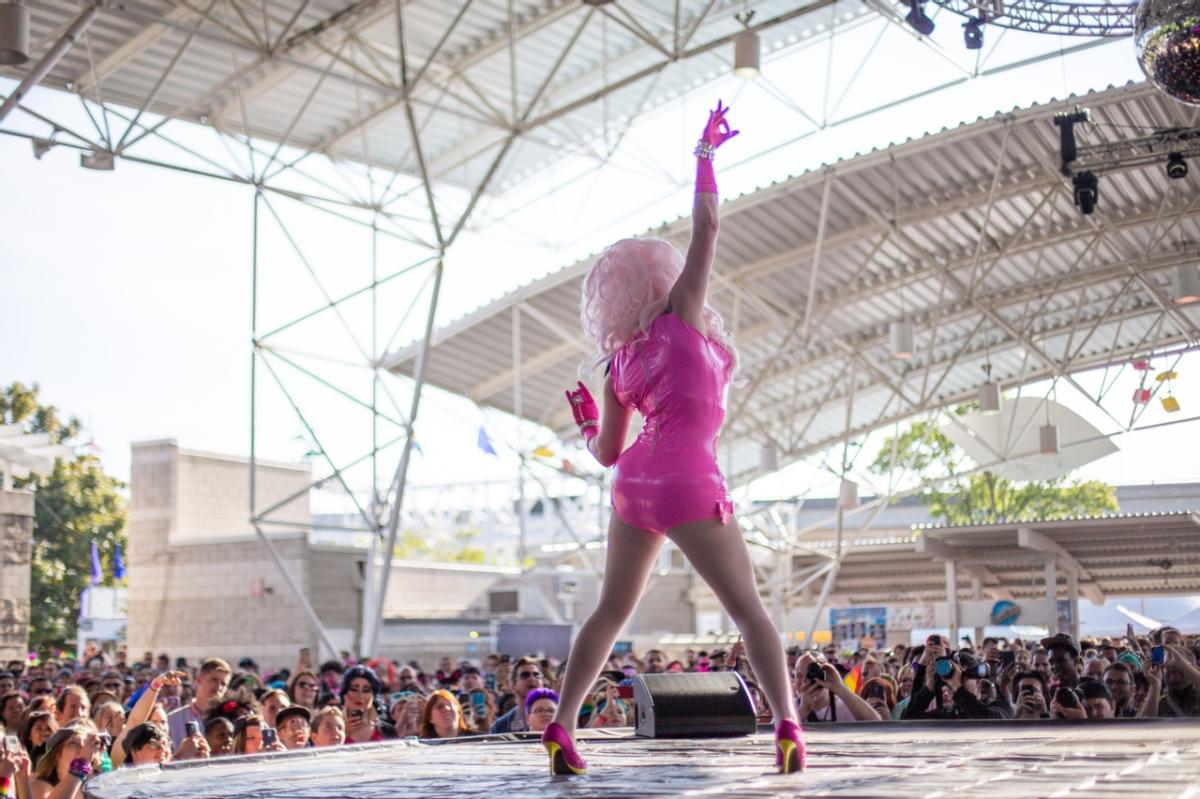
<point x="1029" y="696"/>
<point x="1174" y="690"/>
<point x="362" y="698"/>
<point x="611" y="710"/>
<point x="72" y="755"/>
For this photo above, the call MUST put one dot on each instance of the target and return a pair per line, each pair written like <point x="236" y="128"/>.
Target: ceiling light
<point x="989" y="398"/>
<point x="1185" y="283"/>
<point x="768" y="458"/>
<point x="746" y="48"/>
<point x="900" y="337"/>
<point x="847" y="494"/>
<point x="14" y="34"/>
<point x="1048" y="437"/>
<point x="917" y="19"/>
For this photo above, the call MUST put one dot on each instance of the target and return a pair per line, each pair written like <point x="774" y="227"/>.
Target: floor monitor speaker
<point x="692" y="705"/>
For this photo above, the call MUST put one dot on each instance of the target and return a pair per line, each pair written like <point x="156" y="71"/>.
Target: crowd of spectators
<point x="64" y="720"/>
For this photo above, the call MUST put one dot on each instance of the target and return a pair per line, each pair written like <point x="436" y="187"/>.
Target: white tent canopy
<point x="1112" y="621"/>
<point x="1188" y="623"/>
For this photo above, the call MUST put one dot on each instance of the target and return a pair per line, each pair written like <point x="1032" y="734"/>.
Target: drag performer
<point x="668" y="356"/>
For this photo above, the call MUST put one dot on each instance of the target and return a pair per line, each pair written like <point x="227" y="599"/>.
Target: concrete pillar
<point x="16" y="546"/>
<point x="952" y="601"/>
<point x="977" y="595"/>
<point x="1073" y="598"/>
<point x="1052" y="593"/>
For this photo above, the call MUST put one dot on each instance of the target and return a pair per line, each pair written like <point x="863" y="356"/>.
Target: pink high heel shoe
<point x="789" y="747"/>
<point x="563" y="757"/>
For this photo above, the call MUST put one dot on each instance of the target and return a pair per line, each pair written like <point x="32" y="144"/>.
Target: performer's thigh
<point x="719" y="554"/>
<point x="631" y="555"/>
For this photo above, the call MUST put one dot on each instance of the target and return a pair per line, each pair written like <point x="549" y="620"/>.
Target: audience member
<point x="293" y="726"/>
<point x="527" y="677"/>
<point x="211" y="682"/>
<point x="443" y="717"/>
<point x="328" y="727"/>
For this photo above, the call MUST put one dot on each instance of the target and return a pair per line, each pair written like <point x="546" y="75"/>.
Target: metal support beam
<point x="1028" y="538"/>
<point x="47" y="62"/>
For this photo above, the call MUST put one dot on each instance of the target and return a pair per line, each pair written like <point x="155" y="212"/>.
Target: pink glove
<point x="587" y="415"/>
<point x="716" y="133"/>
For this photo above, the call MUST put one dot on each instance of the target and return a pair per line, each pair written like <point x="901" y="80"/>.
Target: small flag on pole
<point x="97" y="575"/>
<point x="485" y="443"/>
<point x="118" y="564"/>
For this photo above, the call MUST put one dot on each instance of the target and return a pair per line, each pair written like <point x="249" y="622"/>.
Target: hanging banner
<point x="858" y="628"/>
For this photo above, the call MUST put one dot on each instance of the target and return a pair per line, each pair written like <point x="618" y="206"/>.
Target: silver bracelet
<point x="704" y="150"/>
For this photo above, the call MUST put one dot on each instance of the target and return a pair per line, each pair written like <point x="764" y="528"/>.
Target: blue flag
<point x="97" y="576"/>
<point x="485" y="443"/>
<point x="118" y="564"/>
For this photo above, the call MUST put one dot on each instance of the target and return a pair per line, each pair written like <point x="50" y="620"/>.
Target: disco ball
<point x="1167" y="36"/>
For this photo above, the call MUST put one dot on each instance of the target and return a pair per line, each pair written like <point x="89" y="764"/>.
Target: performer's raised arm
<point x="691" y="289"/>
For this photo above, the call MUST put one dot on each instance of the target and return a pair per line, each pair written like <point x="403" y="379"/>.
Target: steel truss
<point x="1050" y="16"/>
<point x="403" y="203"/>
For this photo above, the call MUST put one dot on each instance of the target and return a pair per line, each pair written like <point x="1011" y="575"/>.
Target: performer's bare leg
<point x="631" y="556"/>
<point x="719" y="554"/>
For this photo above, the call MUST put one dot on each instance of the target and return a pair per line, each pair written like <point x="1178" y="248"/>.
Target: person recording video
<point x="946" y="685"/>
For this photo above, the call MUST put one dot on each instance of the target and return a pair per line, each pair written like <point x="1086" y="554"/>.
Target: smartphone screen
<point x="11" y="744"/>
<point x="268" y="736"/>
<point x="1008" y="658"/>
<point x="1158" y="655"/>
<point x="625" y="691"/>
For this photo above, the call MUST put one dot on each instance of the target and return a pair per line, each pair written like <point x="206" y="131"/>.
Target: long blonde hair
<point x="627" y="288"/>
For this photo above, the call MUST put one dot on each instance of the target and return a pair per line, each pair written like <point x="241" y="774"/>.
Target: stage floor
<point x="1129" y="759"/>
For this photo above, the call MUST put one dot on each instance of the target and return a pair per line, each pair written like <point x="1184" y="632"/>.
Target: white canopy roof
<point x="971" y="233"/>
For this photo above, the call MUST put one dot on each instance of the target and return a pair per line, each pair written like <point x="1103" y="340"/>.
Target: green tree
<point x="76" y="504"/>
<point x="415" y="545"/>
<point x="963" y="496"/>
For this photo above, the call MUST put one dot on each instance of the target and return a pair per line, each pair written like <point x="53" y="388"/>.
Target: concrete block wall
<point x="213" y="496"/>
<point x="16" y="546"/>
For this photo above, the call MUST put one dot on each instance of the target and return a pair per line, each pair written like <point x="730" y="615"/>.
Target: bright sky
<point x="126" y="294"/>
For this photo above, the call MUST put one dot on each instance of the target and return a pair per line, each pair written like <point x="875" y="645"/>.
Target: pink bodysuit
<point x="676" y="378"/>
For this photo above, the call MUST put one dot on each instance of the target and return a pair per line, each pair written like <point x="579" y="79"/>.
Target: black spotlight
<point x="973" y="33"/>
<point x="1176" y="167"/>
<point x="916" y="17"/>
<point x="1087" y="191"/>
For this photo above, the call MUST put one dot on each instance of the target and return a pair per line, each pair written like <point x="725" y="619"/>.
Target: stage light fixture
<point x="1087" y="191"/>
<point x="746" y="48"/>
<point x="973" y="33"/>
<point x="1185" y="283"/>
<point x="917" y="19"/>
<point x="14" y="34"/>
<point x="900" y="336"/>
<point x="1177" y="168"/>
